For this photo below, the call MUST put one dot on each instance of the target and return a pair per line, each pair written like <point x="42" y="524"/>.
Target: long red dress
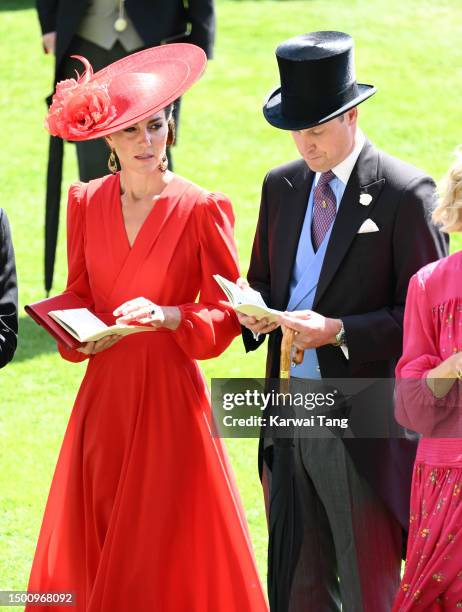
<point x="143" y="514"/>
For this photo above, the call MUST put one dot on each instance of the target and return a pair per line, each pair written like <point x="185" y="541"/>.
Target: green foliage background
<point x="410" y="49"/>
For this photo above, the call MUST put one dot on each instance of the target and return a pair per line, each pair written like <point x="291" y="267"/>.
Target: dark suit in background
<point x="155" y="22"/>
<point x="8" y="294"/>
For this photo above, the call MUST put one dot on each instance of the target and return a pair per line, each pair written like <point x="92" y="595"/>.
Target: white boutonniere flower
<point x="365" y="199"/>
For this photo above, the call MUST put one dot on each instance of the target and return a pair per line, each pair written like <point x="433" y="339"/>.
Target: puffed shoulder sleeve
<point x="209" y="325"/>
<point x="77" y="275"/>
<point x="8" y="294"/>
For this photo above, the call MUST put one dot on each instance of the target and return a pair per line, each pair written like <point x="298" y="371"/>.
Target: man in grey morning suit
<point x="340" y="233"/>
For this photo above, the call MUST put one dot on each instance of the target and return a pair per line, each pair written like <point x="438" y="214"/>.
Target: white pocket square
<point x="368" y="226"/>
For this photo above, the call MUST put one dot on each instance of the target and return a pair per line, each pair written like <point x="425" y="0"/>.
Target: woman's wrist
<point x="172" y="317"/>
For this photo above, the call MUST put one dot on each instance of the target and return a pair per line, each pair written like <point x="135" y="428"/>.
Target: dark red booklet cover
<point x="39" y="312"/>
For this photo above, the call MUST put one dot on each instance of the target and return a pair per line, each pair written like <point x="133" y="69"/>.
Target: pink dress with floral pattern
<point x="432" y="332"/>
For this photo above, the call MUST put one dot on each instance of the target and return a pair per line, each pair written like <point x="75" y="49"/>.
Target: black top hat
<point x="318" y="81"/>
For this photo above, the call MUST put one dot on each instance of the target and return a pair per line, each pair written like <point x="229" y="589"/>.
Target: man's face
<point x="326" y="145"/>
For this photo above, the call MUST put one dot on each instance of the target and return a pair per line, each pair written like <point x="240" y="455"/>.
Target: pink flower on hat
<point x="79" y="107"/>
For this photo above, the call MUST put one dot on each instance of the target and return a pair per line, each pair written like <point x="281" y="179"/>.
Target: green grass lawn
<point x="410" y="49"/>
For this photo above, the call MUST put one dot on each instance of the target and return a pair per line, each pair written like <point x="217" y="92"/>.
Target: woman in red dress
<point x="429" y="401"/>
<point x="143" y="514"/>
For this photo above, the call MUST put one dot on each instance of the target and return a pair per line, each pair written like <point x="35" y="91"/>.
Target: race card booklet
<point x="247" y="301"/>
<point x="71" y="323"/>
<point x="84" y="326"/>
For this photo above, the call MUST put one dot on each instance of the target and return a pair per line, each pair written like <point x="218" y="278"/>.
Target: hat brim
<point x="170" y="70"/>
<point x="274" y="116"/>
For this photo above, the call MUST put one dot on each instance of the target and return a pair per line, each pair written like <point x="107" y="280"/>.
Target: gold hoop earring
<point x="112" y="162"/>
<point x="163" y="164"/>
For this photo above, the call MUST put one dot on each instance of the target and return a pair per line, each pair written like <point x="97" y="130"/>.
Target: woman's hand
<point x="449" y="368"/>
<point x="455" y="365"/>
<point x="441" y="379"/>
<point x="91" y="348"/>
<point x="141" y="310"/>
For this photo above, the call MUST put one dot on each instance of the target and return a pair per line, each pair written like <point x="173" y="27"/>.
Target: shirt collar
<point x="344" y="169"/>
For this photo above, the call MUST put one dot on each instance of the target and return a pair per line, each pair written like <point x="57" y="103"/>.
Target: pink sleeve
<point x="208" y="326"/>
<point x="77" y="275"/>
<point x="420" y="350"/>
<point x="416" y="407"/>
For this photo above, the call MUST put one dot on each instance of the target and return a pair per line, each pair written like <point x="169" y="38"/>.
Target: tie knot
<point x="325" y="178"/>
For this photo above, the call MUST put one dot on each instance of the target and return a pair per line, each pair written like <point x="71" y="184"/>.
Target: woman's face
<point x="141" y="147"/>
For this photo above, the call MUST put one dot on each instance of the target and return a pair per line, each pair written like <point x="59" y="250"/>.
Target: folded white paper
<point x="247" y="301"/>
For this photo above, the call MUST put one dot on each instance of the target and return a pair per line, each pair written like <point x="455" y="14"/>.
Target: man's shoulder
<point x="289" y="171"/>
<point x="400" y="173"/>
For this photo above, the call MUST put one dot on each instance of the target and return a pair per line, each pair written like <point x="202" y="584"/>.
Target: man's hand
<point x="91" y="348"/>
<point x="313" y="330"/>
<point x="49" y="42"/>
<point x="263" y="326"/>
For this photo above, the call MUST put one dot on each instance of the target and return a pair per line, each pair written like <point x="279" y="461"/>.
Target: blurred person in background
<point x="8" y="294"/>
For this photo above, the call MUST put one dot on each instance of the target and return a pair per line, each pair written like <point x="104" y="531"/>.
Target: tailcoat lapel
<point x="351" y="214"/>
<point x="294" y="194"/>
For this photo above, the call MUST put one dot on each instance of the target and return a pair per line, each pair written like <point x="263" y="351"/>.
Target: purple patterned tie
<point x="324" y="209"/>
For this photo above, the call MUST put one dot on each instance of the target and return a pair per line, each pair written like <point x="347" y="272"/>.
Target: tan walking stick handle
<point x="289" y="353"/>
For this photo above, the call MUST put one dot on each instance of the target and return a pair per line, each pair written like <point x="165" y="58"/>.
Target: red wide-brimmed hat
<point x="123" y="93"/>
